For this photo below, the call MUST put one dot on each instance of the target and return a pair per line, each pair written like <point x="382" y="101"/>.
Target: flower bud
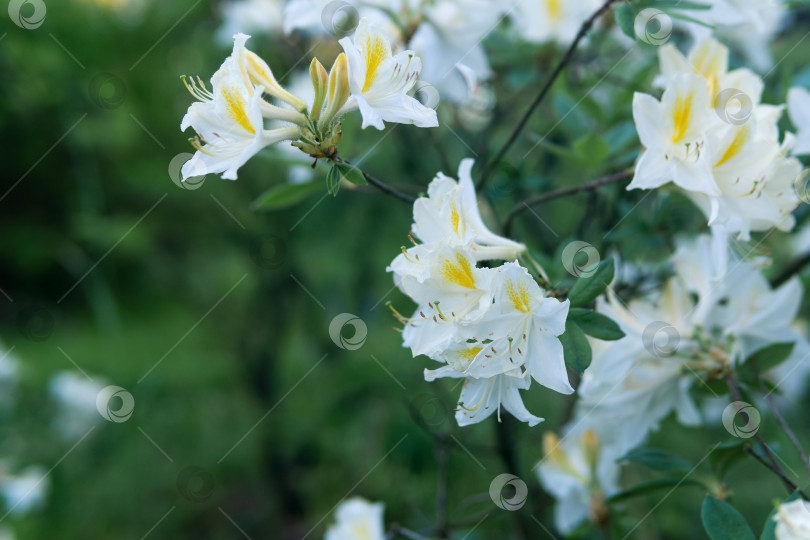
<point x="260" y="74"/>
<point x="320" y="81"/>
<point x="338" y="89"/>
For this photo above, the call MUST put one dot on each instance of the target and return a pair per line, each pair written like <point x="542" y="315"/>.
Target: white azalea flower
<point x="579" y="474"/>
<point x="357" y="519"/>
<point x="380" y="80"/>
<point x="450" y="213"/>
<point x="445" y="34"/>
<point x="673" y="132"/>
<point x="523" y="325"/>
<point x="635" y="382"/>
<point x="734" y="170"/>
<point x="793" y="520"/>
<point x="798" y="101"/>
<point x="449" y="289"/>
<point x="229" y="120"/>
<point x="552" y="20"/>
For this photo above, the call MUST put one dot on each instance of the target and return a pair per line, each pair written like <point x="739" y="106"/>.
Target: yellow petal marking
<point x="681" y="116"/>
<point x="454" y="218"/>
<point x="736" y="145"/>
<point x="464" y="358"/>
<point x="518" y="294"/>
<point x="554" y="8"/>
<point x="376" y="52"/>
<point x="235" y="106"/>
<point x="459" y="272"/>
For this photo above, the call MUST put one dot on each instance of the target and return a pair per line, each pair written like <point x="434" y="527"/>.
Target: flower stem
<point x="382" y="186"/>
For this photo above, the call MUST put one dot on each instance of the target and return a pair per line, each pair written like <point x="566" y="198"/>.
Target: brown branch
<point x="517" y="209"/>
<point x="583" y="30"/>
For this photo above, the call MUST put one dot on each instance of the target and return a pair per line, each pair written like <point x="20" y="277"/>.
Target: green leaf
<point x="576" y="348"/>
<point x="723" y="522"/>
<point x="649" y="487"/>
<point x="586" y="289"/>
<point x="765" y="359"/>
<point x="724" y="455"/>
<point x="333" y="180"/>
<point x="595" y="324"/>
<point x="658" y="460"/>
<point x="352" y="174"/>
<point x="625" y="18"/>
<point x="284" y="195"/>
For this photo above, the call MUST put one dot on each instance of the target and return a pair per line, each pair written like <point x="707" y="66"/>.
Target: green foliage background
<point x="245" y="356"/>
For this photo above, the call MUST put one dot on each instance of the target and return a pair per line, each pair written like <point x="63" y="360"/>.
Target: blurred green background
<point x="249" y="421"/>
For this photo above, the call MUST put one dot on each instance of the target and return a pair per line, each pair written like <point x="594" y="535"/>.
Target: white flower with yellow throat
<point x="380" y="80"/>
<point x="229" y="119"/>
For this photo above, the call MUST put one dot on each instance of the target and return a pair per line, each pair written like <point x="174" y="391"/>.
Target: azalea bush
<point x="430" y="269"/>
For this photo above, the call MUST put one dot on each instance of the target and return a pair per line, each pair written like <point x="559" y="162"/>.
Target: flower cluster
<point x="677" y="341"/>
<point x="494" y="327"/>
<point x="710" y="135"/>
<point x="230" y="118"/>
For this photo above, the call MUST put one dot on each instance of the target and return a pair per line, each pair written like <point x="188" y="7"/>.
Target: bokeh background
<point x="249" y="420"/>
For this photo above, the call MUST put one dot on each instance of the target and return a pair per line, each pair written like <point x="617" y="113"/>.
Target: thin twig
<point x="517" y="209"/>
<point x="781" y="419"/>
<point x="774" y="465"/>
<point x="379" y="184"/>
<point x="788" y="483"/>
<point x="583" y="30"/>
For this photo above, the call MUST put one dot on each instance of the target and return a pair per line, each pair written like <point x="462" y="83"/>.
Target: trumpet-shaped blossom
<point x="450" y="213"/>
<point x="229" y="119"/>
<point x="380" y="80"/>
